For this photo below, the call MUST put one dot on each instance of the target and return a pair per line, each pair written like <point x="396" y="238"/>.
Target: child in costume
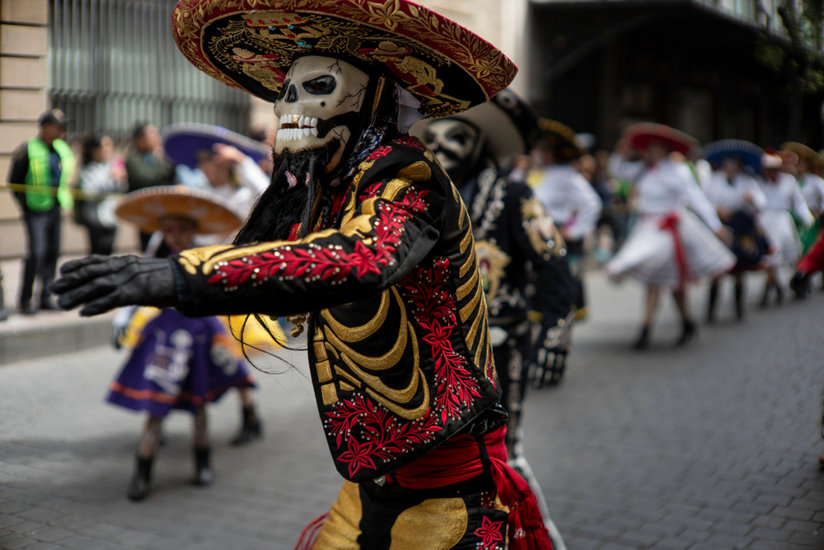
<point x="177" y="362"/>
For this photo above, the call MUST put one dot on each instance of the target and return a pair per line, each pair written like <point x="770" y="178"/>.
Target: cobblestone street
<point x="709" y="447"/>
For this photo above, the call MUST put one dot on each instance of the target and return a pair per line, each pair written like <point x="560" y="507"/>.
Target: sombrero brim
<point x="641" y="136"/>
<point x="509" y="124"/>
<point x="814" y="159"/>
<point x="250" y="44"/>
<point x="748" y="153"/>
<point x="183" y="141"/>
<point x="147" y="207"/>
<point x="561" y="139"/>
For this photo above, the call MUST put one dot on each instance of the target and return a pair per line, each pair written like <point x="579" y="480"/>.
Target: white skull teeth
<point x="295" y="127"/>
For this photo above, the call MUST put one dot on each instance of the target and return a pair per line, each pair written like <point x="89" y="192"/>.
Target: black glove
<point x="101" y="283"/>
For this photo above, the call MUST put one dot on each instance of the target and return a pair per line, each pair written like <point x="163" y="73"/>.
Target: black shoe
<point x="139" y="486"/>
<point x="251" y="428"/>
<point x="4" y="314"/>
<point x="799" y="285"/>
<point x="27" y="309"/>
<point x="47" y="303"/>
<point x="643" y="339"/>
<point x="203" y="471"/>
<point x="687" y="333"/>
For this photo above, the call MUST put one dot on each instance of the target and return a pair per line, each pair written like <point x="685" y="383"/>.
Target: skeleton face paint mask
<point x="319" y="103"/>
<point x="455" y="143"/>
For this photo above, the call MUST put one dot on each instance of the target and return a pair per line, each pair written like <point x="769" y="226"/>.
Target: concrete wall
<point x="23" y="49"/>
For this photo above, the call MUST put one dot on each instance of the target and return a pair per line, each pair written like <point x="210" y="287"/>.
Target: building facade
<point x="601" y="65"/>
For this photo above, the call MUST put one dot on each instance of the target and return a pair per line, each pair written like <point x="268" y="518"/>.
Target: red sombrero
<point x="146" y="207"/>
<point x="640" y="136"/>
<point x="250" y="44"/>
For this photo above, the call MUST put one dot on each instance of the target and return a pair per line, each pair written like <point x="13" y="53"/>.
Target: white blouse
<point x="569" y="200"/>
<point x="666" y="187"/>
<point x="784" y="195"/>
<point x="813" y="191"/>
<point x="731" y="197"/>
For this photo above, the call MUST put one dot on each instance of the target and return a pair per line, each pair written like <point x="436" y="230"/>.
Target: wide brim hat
<point x="815" y="160"/>
<point x="183" y="141"/>
<point x="562" y="139"/>
<point x="508" y="123"/>
<point x="250" y="44"/>
<point x="147" y="207"/>
<point x="748" y="153"/>
<point x="643" y="134"/>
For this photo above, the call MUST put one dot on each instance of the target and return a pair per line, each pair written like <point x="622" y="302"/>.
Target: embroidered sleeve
<point x="388" y="228"/>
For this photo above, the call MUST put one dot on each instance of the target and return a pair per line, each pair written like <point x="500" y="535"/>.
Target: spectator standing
<point x="146" y="166"/>
<point x="44" y="165"/>
<point x="101" y="177"/>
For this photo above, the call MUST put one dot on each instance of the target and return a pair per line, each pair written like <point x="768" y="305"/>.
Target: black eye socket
<point x="322" y="85"/>
<point x="283" y="89"/>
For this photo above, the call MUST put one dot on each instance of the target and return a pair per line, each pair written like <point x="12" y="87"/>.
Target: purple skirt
<point x="179" y="363"/>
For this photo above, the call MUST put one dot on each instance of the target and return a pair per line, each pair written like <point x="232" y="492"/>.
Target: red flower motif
<point x="490" y="534"/>
<point x="357" y="456"/>
<point x="380" y="152"/>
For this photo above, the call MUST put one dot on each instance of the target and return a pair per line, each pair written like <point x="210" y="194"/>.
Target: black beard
<point x="280" y="207"/>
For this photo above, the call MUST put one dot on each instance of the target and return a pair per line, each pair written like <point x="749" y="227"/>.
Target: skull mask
<point x="456" y="143"/>
<point x="320" y="102"/>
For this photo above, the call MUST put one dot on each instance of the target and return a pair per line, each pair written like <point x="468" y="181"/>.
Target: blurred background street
<point x="713" y="447"/>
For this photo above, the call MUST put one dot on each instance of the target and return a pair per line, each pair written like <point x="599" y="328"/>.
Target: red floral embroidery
<point x="490" y="534"/>
<point x="409" y="141"/>
<point x="434" y="311"/>
<point x="329" y="263"/>
<point x="372" y="432"/>
<point x="380" y="152"/>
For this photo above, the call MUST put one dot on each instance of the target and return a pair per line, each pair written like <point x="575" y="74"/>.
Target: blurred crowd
<point x="47" y="178"/>
<point x="763" y="205"/>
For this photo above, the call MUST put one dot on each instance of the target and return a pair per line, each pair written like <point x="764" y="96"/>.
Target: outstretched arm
<point x="390" y="230"/>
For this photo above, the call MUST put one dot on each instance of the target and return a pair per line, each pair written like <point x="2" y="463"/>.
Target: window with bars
<point x="113" y="63"/>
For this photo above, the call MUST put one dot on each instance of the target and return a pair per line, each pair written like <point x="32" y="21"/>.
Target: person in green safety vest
<point x="42" y="169"/>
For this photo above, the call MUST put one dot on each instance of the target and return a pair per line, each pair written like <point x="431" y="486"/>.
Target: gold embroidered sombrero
<point x="250" y="44"/>
<point x="641" y="135"/>
<point x="815" y="160"/>
<point x="561" y="139"/>
<point x="146" y="207"/>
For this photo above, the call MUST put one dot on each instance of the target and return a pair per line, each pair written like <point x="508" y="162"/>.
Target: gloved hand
<point x="547" y="367"/>
<point x="101" y="283"/>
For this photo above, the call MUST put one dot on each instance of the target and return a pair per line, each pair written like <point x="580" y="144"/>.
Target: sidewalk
<point x="48" y="332"/>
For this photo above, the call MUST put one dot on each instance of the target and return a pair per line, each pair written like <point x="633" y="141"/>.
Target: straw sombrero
<point x="146" y="207"/>
<point x="250" y="44"/>
<point x="748" y="153"/>
<point x="508" y="122"/>
<point x="182" y="142"/>
<point x="641" y="135"/>
<point x="562" y="139"/>
<point x="815" y="160"/>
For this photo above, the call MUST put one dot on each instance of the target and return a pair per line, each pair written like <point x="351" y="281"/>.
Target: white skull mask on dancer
<point x="320" y="101"/>
<point x="456" y="144"/>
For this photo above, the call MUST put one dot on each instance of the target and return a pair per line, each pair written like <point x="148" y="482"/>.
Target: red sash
<point x="670" y="223"/>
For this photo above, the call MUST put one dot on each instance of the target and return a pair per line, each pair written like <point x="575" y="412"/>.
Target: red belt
<point x="670" y="223"/>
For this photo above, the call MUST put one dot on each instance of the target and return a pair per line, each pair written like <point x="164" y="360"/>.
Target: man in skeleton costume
<point x="361" y="231"/>
<point x="522" y="257"/>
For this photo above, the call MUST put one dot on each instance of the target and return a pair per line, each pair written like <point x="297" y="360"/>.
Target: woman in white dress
<point x="783" y="196"/>
<point x="734" y="192"/>
<point x="669" y="246"/>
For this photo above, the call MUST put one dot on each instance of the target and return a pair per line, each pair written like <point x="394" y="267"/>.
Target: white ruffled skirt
<point x="649" y="253"/>
<point x="780" y="230"/>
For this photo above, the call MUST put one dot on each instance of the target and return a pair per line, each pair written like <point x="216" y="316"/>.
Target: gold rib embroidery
<point x="466" y="289"/>
<point x="466" y="311"/>
<point x="471" y="262"/>
<point x="356" y="334"/>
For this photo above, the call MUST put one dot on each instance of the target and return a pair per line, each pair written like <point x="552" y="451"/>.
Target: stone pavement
<point x="709" y="447"/>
